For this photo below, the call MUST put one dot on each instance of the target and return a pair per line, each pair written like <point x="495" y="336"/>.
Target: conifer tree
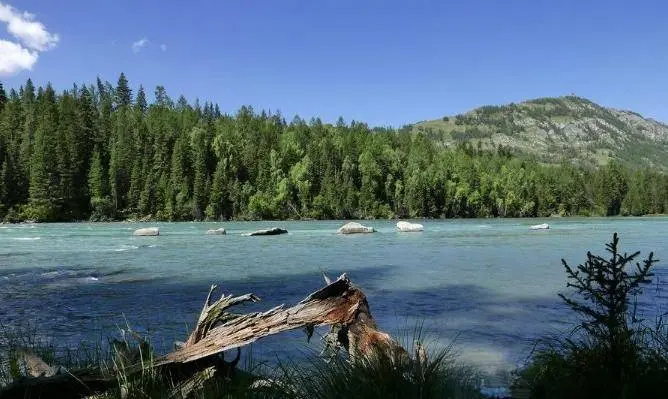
<point x="5" y="183"/>
<point x="123" y="93"/>
<point x="142" y="105"/>
<point x="3" y="97"/>
<point x="29" y="124"/>
<point x="607" y="286"/>
<point x="43" y="161"/>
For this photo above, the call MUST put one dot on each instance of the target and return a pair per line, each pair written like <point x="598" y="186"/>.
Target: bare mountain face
<point x="557" y="129"/>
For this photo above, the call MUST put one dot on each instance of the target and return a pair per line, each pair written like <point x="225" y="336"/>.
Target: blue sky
<point x="383" y="62"/>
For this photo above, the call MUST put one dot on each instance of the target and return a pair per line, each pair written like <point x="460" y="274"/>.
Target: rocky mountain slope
<point x="553" y="129"/>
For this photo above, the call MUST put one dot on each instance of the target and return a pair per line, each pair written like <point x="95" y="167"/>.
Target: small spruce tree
<point x="607" y="287"/>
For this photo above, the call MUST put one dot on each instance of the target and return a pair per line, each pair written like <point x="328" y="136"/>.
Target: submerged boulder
<point x="543" y="226"/>
<point x="274" y="231"/>
<point x="216" y="232"/>
<point x="409" y="227"/>
<point x="355" y="228"/>
<point x="147" y="231"/>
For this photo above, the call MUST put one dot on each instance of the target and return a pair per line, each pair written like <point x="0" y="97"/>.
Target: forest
<point x="101" y="152"/>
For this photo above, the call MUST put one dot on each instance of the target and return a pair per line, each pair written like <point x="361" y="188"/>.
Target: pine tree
<point x="102" y="208"/>
<point x="120" y="162"/>
<point x="29" y="123"/>
<point x="3" y="97"/>
<point x="86" y="137"/>
<point x="218" y="199"/>
<point x="142" y="105"/>
<point x="4" y="186"/>
<point x="199" y="148"/>
<point x="136" y="185"/>
<point x="68" y="153"/>
<point x="43" y="162"/>
<point x="607" y="287"/>
<point x="96" y="181"/>
<point x="123" y="93"/>
<point x="11" y="125"/>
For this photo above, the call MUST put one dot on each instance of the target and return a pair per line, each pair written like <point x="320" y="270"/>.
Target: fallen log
<point x="339" y="304"/>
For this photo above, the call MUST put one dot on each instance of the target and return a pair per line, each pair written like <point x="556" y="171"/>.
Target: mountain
<point x="554" y="129"/>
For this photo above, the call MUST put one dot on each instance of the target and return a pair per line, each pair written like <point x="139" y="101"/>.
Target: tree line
<point x="100" y="152"/>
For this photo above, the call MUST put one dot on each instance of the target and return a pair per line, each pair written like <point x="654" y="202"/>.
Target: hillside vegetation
<point x="102" y="152"/>
<point x="552" y="129"/>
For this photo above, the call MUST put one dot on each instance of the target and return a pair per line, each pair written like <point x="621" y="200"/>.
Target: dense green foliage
<point x="614" y="354"/>
<point x="99" y="152"/>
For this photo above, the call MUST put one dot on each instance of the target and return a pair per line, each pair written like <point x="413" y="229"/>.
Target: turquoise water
<point x="489" y="285"/>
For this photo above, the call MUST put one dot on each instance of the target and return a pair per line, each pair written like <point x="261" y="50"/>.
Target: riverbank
<point x="150" y="219"/>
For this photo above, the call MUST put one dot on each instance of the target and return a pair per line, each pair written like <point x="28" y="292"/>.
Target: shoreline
<point x="142" y="220"/>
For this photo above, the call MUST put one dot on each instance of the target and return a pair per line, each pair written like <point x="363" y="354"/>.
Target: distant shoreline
<point x="142" y="220"/>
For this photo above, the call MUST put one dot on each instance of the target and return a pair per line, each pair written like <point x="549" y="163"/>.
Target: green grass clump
<point x="436" y="375"/>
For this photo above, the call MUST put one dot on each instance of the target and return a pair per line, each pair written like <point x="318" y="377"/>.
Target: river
<point x="489" y="286"/>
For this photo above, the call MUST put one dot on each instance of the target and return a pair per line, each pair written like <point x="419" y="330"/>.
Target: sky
<point x="386" y="63"/>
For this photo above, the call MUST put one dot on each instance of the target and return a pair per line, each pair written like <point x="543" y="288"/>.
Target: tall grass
<point x="434" y="372"/>
<point x="437" y="375"/>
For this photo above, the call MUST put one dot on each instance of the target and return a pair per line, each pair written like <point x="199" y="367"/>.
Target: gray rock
<point x="409" y="227"/>
<point x="268" y="232"/>
<point x="543" y="226"/>
<point x="147" y="231"/>
<point x="355" y="228"/>
<point x="216" y="232"/>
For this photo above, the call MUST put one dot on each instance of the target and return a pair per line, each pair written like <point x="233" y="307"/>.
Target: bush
<point x="39" y="210"/>
<point x="103" y="209"/>
<point x="12" y="216"/>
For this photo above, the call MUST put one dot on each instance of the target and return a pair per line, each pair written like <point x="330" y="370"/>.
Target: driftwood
<point x="340" y="304"/>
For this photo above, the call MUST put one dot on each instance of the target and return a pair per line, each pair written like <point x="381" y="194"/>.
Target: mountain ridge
<point x="552" y="129"/>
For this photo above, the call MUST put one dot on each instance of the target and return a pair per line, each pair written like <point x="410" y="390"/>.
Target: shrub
<point x="611" y="354"/>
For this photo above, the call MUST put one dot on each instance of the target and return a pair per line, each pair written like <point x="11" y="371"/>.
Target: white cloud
<point x="163" y="47"/>
<point x="139" y="44"/>
<point x="31" y="33"/>
<point x="14" y="58"/>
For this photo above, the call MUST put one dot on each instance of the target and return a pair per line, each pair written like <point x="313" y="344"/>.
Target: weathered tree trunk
<point x="339" y="304"/>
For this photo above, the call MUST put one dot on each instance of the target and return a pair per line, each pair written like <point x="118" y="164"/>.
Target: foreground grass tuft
<point x="432" y="374"/>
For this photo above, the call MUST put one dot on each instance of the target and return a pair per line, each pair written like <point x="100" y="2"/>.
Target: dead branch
<point x="214" y="313"/>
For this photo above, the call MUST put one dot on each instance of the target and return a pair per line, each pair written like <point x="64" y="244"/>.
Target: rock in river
<point x="268" y="232"/>
<point x="409" y="227"/>
<point x="216" y="232"/>
<point x="147" y="231"/>
<point x="543" y="226"/>
<point x="355" y="228"/>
